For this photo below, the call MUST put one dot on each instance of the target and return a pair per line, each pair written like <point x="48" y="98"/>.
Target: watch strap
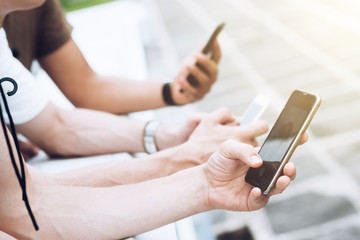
<point x="167" y="96"/>
<point x="149" y="136"/>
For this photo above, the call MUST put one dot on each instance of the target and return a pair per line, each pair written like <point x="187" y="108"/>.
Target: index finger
<point x="303" y="138"/>
<point x="220" y="116"/>
<point x="255" y="129"/>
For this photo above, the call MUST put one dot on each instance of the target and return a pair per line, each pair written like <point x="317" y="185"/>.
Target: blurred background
<point x="72" y="5"/>
<point x="270" y="47"/>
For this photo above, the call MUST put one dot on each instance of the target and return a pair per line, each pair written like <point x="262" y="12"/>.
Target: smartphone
<point x="283" y="139"/>
<point x="210" y="42"/>
<point x="256" y="108"/>
<point x="207" y="51"/>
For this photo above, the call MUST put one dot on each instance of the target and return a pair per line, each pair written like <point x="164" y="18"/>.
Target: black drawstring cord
<point x="21" y="178"/>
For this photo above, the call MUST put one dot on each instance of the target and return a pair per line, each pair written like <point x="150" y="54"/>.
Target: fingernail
<point x="255" y="159"/>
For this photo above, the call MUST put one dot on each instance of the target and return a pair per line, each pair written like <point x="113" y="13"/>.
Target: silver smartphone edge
<point x="295" y="142"/>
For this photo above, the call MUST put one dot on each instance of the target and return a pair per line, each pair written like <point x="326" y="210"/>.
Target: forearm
<point x="117" y="212"/>
<point x="120" y="172"/>
<point x="118" y="95"/>
<point x="83" y="132"/>
<point x="100" y="133"/>
<point x="84" y="88"/>
<point x="100" y="213"/>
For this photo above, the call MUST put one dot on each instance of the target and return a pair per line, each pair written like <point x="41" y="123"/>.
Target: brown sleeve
<point x="54" y="30"/>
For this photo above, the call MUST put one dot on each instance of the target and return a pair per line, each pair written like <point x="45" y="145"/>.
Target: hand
<point x="214" y="129"/>
<point x="225" y="173"/>
<point x="170" y="136"/>
<point x="221" y="125"/>
<point x="204" y="69"/>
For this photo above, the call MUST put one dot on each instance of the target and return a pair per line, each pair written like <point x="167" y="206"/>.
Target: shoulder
<point x="29" y="99"/>
<point x="55" y="29"/>
<point x="52" y="5"/>
<point x="6" y="57"/>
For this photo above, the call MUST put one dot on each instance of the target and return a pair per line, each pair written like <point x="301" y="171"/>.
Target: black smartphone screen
<point x="280" y="139"/>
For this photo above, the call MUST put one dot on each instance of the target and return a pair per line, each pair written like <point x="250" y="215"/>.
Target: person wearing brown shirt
<point x="44" y="34"/>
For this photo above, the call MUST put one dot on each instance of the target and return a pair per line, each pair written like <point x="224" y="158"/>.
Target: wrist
<point x="167" y="136"/>
<point x="208" y="192"/>
<point x="203" y="192"/>
<point x="185" y="156"/>
<point x="195" y="151"/>
<point x="193" y="160"/>
<point x="196" y="188"/>
<point x="176" y="159"/>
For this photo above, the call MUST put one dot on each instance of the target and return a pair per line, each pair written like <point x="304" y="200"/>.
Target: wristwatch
<point x="149" y="136"/>
<point x="167" y="96"/>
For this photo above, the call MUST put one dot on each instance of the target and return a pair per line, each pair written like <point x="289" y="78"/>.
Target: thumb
<point x="221" y="116"/>
<point x="246" y="153"/>
<point x="193" y="121"/>
<point x="195" y="118"/>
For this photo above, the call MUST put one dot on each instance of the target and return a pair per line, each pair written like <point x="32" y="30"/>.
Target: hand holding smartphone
<point x="283" y="139"/>
<point x="207" y="51"/>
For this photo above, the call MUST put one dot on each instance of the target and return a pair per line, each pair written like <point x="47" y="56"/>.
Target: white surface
<point x="109" y="37"/>
<point x="186" y="229"/>
<point x="43" y="163"/>
<point x="167" y="232"/>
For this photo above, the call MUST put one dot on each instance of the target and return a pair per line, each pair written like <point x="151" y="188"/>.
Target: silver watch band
<point x="149" y="136"/>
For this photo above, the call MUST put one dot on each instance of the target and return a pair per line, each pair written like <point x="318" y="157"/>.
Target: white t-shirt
<point x="30" y="99"/>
